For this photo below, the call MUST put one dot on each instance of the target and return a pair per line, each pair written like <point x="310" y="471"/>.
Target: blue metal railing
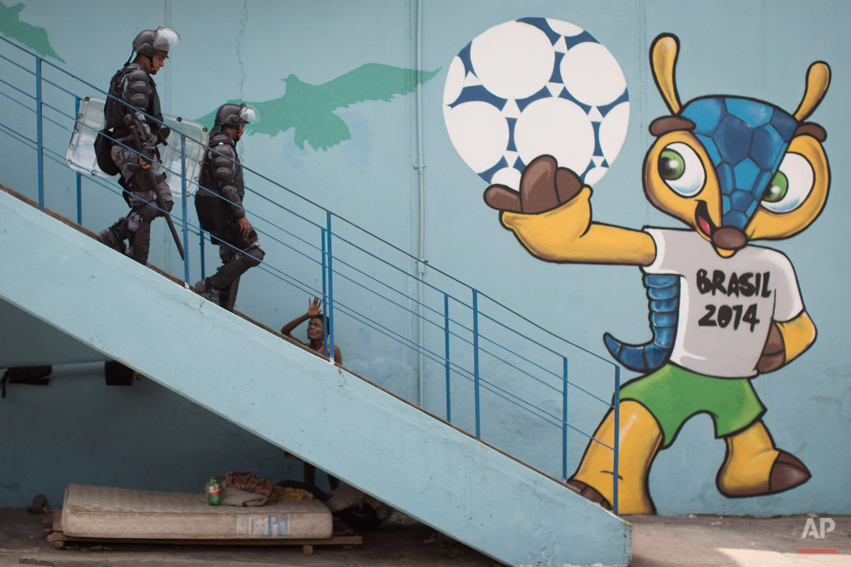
<point x="460" y="339"/>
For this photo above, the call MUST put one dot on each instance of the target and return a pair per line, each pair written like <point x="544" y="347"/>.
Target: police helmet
<point x="159" y="42"/>
<point x="236" y="114"/>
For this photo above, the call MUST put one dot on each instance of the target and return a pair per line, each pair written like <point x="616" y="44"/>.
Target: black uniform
<point x="219" y="206"/>
<point x="134" y="86"/>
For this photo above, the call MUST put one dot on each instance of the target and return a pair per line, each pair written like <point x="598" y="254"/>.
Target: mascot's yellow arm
<point x="798" y="334"/>
<point x="566" y="234"/>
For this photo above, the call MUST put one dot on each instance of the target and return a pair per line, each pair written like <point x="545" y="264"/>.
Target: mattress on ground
<point x="97" y="511"/>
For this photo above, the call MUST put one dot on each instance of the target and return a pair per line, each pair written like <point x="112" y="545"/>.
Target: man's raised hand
<point x="313" y="307"/>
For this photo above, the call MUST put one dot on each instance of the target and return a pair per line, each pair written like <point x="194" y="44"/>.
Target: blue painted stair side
<point x="322" y="413"/>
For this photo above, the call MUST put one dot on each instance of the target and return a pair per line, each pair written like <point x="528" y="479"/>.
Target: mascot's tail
<point x="663" y="296"/>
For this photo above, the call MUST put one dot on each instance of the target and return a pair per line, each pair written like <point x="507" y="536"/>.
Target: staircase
<point x="322" y="413"/>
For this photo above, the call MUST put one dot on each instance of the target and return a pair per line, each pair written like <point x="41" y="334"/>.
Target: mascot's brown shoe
<point x="754" y="467"/>
<point x="787" y="472"/>
<point x="590" y="493"/>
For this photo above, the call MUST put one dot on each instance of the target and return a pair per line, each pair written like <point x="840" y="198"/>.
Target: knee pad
<point x="149" y="213"/>
<point x="253" y="256"/>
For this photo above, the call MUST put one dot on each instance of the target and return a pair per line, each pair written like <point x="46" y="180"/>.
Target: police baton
<point x="128" y="121"/>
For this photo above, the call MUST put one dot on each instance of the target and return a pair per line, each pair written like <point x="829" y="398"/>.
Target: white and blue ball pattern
<point x="536" y="86"/>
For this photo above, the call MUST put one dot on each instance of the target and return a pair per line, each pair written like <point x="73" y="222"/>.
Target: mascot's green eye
<point x="681" y="169"/>
<point x="791" y="185"/>
<point x="671" y="165"/>
<point x="777" y="190"/>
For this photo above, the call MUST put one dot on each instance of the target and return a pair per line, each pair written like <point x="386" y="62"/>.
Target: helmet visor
<point x="249" y="114"/>
<point x="165" y="39"/>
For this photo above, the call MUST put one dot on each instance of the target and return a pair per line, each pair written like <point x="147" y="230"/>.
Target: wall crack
<point x="239" y="39"/>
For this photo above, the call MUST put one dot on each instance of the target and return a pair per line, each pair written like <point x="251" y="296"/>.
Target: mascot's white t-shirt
<point x="726" y="304"/>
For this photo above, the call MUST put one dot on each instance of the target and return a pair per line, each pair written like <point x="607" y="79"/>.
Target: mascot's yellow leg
<point x="753" y="465"/>
<point x="640" y="437"/>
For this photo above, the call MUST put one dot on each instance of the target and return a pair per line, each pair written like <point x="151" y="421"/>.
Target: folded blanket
<point x="237" y="497"/>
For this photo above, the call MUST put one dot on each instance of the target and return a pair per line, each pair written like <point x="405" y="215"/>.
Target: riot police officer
<point x="133" y="93"/>
<point x="219" y="206"/>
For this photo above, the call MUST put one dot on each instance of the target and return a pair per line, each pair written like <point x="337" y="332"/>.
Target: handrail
<point x="344" y="275"/>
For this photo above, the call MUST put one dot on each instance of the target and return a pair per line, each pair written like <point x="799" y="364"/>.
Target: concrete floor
<point x="714" y="541"/>
<point x="678" y="541"/>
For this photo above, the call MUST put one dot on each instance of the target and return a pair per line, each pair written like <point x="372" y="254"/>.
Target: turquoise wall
<point x="243" y="51"/>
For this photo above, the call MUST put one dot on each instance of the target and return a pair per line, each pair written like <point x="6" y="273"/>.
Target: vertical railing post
<point x="617" y="436"/>
<point x="564" y="424"/>
<point x="39" y="138"/>
<point x="448" y="370"/>
<point x="201" y="251"/>
<point x="79" y="176"/>
<point x="329" y="308"/>
<point x="476" y="362"/>
<point x="185" y="196"/>
<point x="324" y="286"/>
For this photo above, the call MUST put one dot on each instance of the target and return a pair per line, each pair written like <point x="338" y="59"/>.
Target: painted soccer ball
<point x="536" y="86"/>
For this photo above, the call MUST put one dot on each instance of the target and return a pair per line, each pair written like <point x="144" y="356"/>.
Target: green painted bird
<point x="309" y="109"/>
<point x="32" y="36"/>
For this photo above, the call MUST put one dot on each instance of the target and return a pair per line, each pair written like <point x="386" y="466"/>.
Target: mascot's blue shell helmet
<point x="746" y="140"/>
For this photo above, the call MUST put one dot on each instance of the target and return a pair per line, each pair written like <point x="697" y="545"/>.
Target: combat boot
<point x="115" y="235"/>
<point x="203" y="289"/>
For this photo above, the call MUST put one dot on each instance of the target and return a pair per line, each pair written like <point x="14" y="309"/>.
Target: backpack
<point x="114" y="109"/>
<point x="113" y="112"/>
<point x="103" y="152"/>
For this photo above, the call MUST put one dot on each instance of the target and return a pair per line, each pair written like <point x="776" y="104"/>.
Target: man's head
<point x="232" y="118"/>
<point x="153" y="47"/>
<point x="316" y="329"/>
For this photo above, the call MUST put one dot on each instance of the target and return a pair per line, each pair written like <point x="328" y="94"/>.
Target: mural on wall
<point x="531" y="87"/>
<point x="722" y="311"/>
<point x="309" y="109"/>
<point x="31" y="36"/>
